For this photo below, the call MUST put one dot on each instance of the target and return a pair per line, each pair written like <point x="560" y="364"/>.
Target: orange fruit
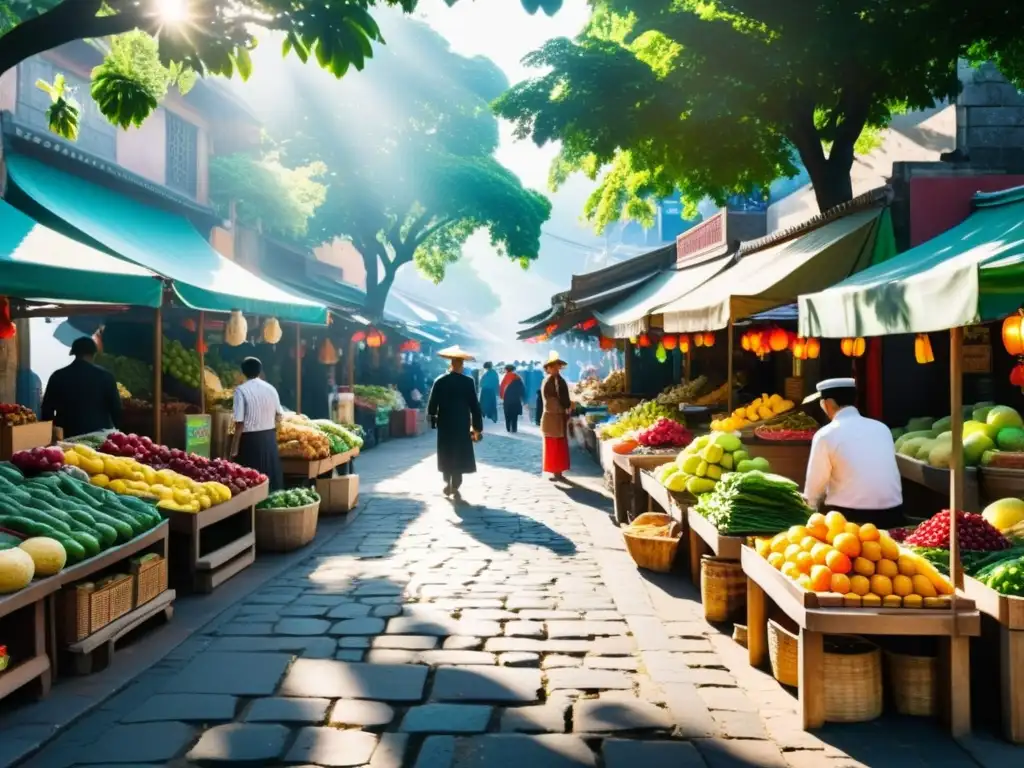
<point x="853" y="528"/>
<point x="848" y="544"/>
<point x="902" y="585"/>
<point x="779" y="543"/>
<point x="776" y="559"/>
<point x="890" y="549"/>
<point x="796" y="534"/>
<point x="869" y="532"/>
<point x="871" y="601"/>
<point x="838" y="562"/>
<point x="762" y="547"/>
<point x="819" y="552"/>
<point x="789" y="569"/>
<point x="863" y="566"/>
<point x="804" y="581"/>
<point x="792" y="551"/>
<point x="886" y="567"/>
<point x="906" y="565"/>
<point x="881" y="585"/>
<point x="804" y="562"/>
<point x="840" y="583"/>
<point x="835" y="521"/>
<point x="860" y="585"/>
<point x="821" y="578"/>
<point x="923" y="586"/>
<point x="851" y="600"/>
<point x="872" y="550"/>
<point x="830" y="537"/>
<point x="817" y="526"/>
<point x="913" y="601"/>
<point x="807" y="543"/>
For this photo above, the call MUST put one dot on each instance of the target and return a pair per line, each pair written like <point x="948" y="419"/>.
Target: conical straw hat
<point x="455" y="353"/>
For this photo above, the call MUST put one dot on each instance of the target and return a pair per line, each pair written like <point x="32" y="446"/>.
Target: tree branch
<point x="416" y="226"/>
<point x="435" y="227"/>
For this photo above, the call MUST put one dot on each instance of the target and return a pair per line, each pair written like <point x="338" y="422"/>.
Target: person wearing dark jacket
<point x="82" y="397"/>
<point x="454" y="412"/>
<point x="513" y="392"/>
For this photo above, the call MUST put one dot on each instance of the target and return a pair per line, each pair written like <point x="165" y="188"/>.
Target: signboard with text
<point x="197" y="434"/>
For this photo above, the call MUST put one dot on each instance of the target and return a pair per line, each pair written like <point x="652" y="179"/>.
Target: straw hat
<point x="455" y="353"/>
<point x="554" y="359"/>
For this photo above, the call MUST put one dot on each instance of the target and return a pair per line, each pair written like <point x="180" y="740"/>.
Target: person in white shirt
<point x="852" y="467"/>
<point x="257" y="412"/>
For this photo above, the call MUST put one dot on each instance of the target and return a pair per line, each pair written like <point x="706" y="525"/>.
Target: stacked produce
<point x="685" y="392"/>
<point x="705" y="461"/>
<point x="122" y="392"/>
<point x="378" y="397"/>
<point x="973" y="531"/>
<point x="181" y="364"/>
<point x="39" y="459"/>
<point x="664" y="433"/>
<point x="342" y="439"/>
<point x="644" y="415"/>
<point x="863" y="564"/>
<point x="993" y="435"/>
<point x="296" y="440"/>
<point x="135" y="375"/>
<point x="753" y="502"/>
<point x="760" y="409"/>
<point x="718" y="396"/>
<point x="230" y="375"/>
<point x="13" y="415"/>
<point x="21" y="560"/>
<point x="788" y="426"/>
<point x="669" y="530"/>
<point x="618" y="405"/>
<point x="296" y="497"/>
<point x="593" y="390"/>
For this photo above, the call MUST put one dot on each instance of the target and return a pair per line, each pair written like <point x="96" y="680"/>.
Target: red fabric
<point x="507" y="379"/>
<point x="556" y="454"/>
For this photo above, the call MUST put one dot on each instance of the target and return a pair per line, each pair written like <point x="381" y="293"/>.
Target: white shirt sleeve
<point x="819" y="469"/>
<point x="239" y="406"/>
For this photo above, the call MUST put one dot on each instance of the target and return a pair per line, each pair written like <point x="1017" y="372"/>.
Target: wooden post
<point x="627" y="365"/>
<point x="351" y="363"/>
<point x="728" y="370"/>
<point x="158" y="371"/>
<point x="298" y="368"/>
<point x="201" y="346"/>
<point x="687" y="370"/>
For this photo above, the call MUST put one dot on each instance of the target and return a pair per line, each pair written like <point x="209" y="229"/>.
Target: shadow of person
<point x="499" y="529"/>
<point x="581" y="494"/>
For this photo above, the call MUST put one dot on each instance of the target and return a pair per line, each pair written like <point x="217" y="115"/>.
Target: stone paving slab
<point x="240" y="743"/>
<point x="241" y="674"/>
<point x="499" y="684"/>
<point x="331" y="747"/>
<point x="185" y="707"/>
<point x="345" y="680"/>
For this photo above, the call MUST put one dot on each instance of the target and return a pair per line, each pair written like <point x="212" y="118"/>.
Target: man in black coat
<point x="454" y="412"/>
<point x="82" y="397"/>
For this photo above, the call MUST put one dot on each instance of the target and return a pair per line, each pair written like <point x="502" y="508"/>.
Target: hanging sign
<point x="197" y="434"/>
<point x="977" y="350"/>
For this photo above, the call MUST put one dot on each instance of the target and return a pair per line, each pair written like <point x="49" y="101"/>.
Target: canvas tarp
<point x="777" y="274"/>
<point x="971" y="273"/>
<point x="38" y="263"/>
<point x="159" y="240"/>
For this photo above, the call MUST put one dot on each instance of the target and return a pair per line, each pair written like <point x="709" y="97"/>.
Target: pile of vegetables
<point x="639" y="417"/>
<point x="665" y="433"/>
<point x="974" y="532"/>
<point x="40" y="459"/>
<point x="12" y="414"/>
<point x="135" y="375"/>
<point x="296" y="497"/>
<point x="342" y="439"/>
<point x="298" y="439"/>
<point x="378" y="397"/>
<point x="753" y="502"/>
<point x="705" y="461"/>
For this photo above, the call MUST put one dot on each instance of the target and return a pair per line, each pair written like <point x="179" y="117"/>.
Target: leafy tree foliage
<point x="717" y="97"/>
<point x="409" y="147"/>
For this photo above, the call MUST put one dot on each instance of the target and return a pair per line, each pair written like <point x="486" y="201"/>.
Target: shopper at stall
<point x="489" y="392"/>
<point x="554" y="420"/>
<point x="852" y="467"/>
<point x="82" y="397"/>
<point x="257" y="412"/>
<point x="455" y="413"/>
<point x="512" y="393"/>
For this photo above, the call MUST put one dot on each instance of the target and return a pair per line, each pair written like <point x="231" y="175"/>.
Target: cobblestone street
<point x="509" y="630"/>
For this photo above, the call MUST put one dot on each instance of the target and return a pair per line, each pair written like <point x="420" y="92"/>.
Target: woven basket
<point x="285" y="529"/>
<point x="723" y="589"/>
<point x="853" y="679"/>
<point x="649" y="553"/>
<point x="87" y="608"/>
<point x="783" y="653"/>
<point x="739" y="634"/>
<point x="150" y="578"/>
<point x="913" y="683"/>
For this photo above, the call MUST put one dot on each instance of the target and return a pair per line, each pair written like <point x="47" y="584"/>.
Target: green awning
<point x="158" y="240"/>
<point x="777" y="274"/>
<point x="629" y="317"/>
<point x="971" y="273"/>
<point x="38" y="263"/>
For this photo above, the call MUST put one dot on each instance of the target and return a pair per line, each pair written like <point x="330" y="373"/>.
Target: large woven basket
<point x="650" y="553"/>
<point x="912" y="679"/>
<point x="284" y="529"/>
<point x="783" y="653"/>
<point x="853" y="679"/>
<point x="723" y="589"/>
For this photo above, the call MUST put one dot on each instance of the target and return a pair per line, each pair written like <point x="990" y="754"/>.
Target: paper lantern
<point x="410" y="345"/>
<point x="813" y="348"/>
<point x="684" y="344"/>
<point x="799" y="348"/>
<point x="923" y="349"/>
<point x="660" y="354"/>
<point x="853" y="347"/>
<point x="359" y="336"/>
<point x="709" y="339"/>
<point x="272" y="330"/>
<point x="201" y="346"/>
<point x="327" y="355"/>
<point x="375" y="339"/>
<point x="606" y="344"/>
<point x="778" y="340"/>
<point x="698" y="339"/>
<point x="644" y="340"/>
<point x="1013" y="334"/>
<point x="551" y="329"/>
<point x="586" y="325"/>
<point x="1017" y="375"/>
<point x="670" y="342"/>
<point x="190" y="325"/>
<point x="757" y="342"/>
<point x="236" y="330"/>
<point x="745" y="341"/>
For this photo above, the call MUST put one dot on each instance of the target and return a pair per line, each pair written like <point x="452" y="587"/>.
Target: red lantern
<point x="1013" y="334"/>
<point x="375" y="339"/>
<point x="410" y="345"/>
<point x="778" y="340"/>
<point x="813" y="348"/>
<point x="853" y="347"/>
<point x="799" y="348"/>
<point x="644" y="340"/>
<point x="670" y="342"/>
<point x="551" y="329"/>
<point x="1017" y="375"/>
<point x="586" y="325"/>
<point x="201" y="346"/>
<point x="358" y="336"/>
<point x="684" y="344"/>
<point x="745" y="341"/>
<point x="7" y="327"/>
<point x="709" y="339"/>
<point x="698" y="339"/>
<point x="606" y="344"/>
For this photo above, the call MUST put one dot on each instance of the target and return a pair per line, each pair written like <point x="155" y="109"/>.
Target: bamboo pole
<point x="627" y="365"/>
<point x="298" y="368"/>
<point x="201" y="345"/>
<point x="351" y="363"/>
<point x="158" y="372"/>
<point x="729" y="364"/>
<point x="956" y="464"/>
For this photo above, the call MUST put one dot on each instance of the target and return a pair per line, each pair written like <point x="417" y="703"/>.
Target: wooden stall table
<point x="704" y="539"/>
<point x="31" y="605"/>
<point x="208" y="570"/>
<point x="628" y="493"/>
<point x="1008" y="612"/>
<point x="996" y="483"/>
<point x="936" y="480"/>
<point x="787" y="457"/>
<point x="816" y="620"/>
<point x="310" y="470"/>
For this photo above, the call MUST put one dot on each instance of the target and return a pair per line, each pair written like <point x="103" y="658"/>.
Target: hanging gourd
<point x="853" y="347"/>
<point x="272" y="330"/>
<point x="923" y="349"/>
<point x="1017" y="375"/>
<point x="799" y="348"/>
<point x="1013" y="334"/>
<point x="670" y="342"/>
<point x="813" y="348"/>
<point x="709" y="339"/>
<point x="327" y="355"/>
<point x="375" y="339"/>
<point x="778" y="340"/>
<point x="236" y="331"/>
<point x="8" y="329"/>
<point x="606" y="344"/>
<point x="660" y="354"/>
<point x="643" y="341"/>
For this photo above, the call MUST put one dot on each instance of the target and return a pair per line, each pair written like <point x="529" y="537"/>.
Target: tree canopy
<point x="409" y="150"/>
<point x="719" y="97"/>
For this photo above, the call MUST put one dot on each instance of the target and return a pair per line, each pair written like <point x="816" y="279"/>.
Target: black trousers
<point x="511" y="422"/>
<point x="882" y="518"/>
<point x="453" y="480"/>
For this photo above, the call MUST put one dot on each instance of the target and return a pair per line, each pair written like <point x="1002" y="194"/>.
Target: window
<point x="95" y="135"/>
<point x="182" y="155"/>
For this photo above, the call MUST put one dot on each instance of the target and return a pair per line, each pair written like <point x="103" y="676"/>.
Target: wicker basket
<point x="150" y="572"/>
<point x="853" y="679"/>
<point x="723" y="589"/>
<point x="285" y="529"/>
<point x="88" y="607"/>
<point x="783" y="653"/>
<point x="649" y="553"/>
<point x="913" y="683"/>
<point x="739" y="634"/>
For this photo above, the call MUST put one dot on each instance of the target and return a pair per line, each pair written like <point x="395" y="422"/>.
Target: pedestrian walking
<point x="554" y="420"/>
<point x="257" y="413"/>
<point x="455" y="413"/>
<point x="512" y="392"/>
<point x="82" y="397"/>
<point x="489" y="392"/>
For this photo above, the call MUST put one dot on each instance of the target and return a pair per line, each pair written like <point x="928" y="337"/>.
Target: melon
<point x="1004" y="513"/>
<point x="1003" y="416"/>
<point x="48" y="554"/>
<point x="16" y="570"/>
<point x="272" y="330"/>
<point x="1010" y="439"/>
<point x="974" y="446"/>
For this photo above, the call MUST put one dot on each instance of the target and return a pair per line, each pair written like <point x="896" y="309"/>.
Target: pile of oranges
<point x="860" y="562"/>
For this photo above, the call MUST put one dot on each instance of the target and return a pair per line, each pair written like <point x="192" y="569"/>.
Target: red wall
<point x="937" y="204"/>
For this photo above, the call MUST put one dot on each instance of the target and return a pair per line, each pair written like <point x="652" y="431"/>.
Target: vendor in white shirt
<point x="852" y="467"/>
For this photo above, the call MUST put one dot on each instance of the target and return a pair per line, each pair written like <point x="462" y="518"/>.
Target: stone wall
<point x="990" y="119"/>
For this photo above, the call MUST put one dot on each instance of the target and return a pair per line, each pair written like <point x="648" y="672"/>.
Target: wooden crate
<point x="24" y="437"/>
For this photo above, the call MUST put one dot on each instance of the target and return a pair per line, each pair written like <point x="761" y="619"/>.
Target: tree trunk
<point x="830" y="176"/>
<point x="832" y="184"/>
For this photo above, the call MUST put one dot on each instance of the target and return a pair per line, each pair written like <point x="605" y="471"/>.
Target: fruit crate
<point x="89" y="606"/>
<point x="23" y="437"/>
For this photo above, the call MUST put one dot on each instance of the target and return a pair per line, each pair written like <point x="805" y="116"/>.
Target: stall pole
<point x="687" y="371"/>
<point x="158" y="371"/>
<point x="627" y="365"/>
<point x="728" y="370"/>
<point x="298" y="368"/>
<point x="351" y="375"/>
<point x="201" y="346"/>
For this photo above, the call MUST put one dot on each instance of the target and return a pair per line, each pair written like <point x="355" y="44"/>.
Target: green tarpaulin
<point x="777" y="274"/>
<point x="971" y="273"/>
<point x="38" y="263"/>
<point x="158" y="240"/>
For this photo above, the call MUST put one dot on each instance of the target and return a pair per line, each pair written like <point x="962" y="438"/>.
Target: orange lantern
<point x="813" y="348"/>
<point x="1017" y="375"/>
<point x="586" y="325"/>
<point x="923" y="349"/>
<point x="8" y="329"/>
<point x="359" y="336"/>
<point x="778" y="340"/>
<point x="684" y="344"/>
<point x="745" y="341"/>
<point x="644" y="340"/>
<point x="670" y="342"/>
<point x="1013" y="334"/>
<point x="190" y="325"/>
<point x="757" y="342"/>
<point x="410" y="345"/>
<point x="201" y="346"/>
<point x="853" y="347"/>
<point x="698" y="339"/>
<point x="375" y="338"/>
<point x="551" y="329"/>
<point x="709" y="339"/>
<point x="799" y="347"/>
<point x="606" y="344"/>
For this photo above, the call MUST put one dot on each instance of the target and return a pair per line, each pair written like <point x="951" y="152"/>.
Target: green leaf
<point x="243" y="63"/>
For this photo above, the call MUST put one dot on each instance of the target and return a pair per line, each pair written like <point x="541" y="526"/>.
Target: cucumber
<point x="76" y="490"/>
<point x="9" y="507"/>
<point x="27" y="526"/>
<point x="10" y="472"/>
<point x="6" y="538"/>
<point x="142" y="510"/>
<point x="125" y="532"/>
<point x="88" y="542"/>
<point x="76" y="552"/>
<point x="84" y="534"/>
<point x="106" y="535"/>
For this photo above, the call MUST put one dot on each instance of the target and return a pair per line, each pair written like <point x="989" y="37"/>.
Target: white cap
<point x="827" y="384"/>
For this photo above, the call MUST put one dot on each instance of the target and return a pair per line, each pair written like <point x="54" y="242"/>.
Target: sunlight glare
<point x="173" y="11"/>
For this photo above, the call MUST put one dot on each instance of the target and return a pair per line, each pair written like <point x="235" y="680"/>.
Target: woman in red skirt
<point x="554" y="420"/>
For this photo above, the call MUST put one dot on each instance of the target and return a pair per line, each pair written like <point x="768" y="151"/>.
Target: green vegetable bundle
<point x="294" y="497"/>
<point x="973" y="561"/>
<point x="347" y="439"/>
<point x="380" y="396"/>
<point x="1003" y="572"/>
<point x="753" y="502"/>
